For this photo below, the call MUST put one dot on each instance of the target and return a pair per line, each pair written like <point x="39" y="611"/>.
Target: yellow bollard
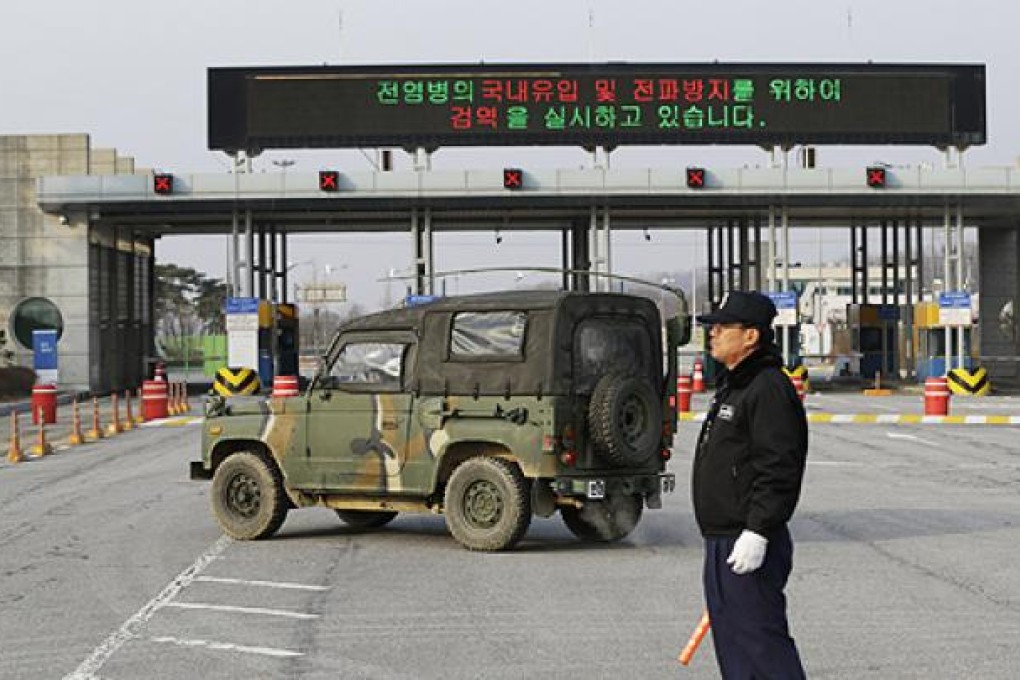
<point x="14" y="453"/>
<point x="114" y="427"/>
<point x="41" y="447"/>
<point x="76" y="437"/>
<point x="129" y="420"/>
<point x="97" y="430"/>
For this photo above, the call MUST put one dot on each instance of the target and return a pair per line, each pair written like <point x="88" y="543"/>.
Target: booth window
<point x="488" y="335"/>
<point x="35" y="314"/>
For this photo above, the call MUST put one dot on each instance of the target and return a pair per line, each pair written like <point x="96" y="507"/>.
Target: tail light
<point x="569" y="455"/>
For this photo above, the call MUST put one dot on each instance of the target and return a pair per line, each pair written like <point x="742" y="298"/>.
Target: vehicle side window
<point x="488" y="335"/>
<point x="379" y="365"/>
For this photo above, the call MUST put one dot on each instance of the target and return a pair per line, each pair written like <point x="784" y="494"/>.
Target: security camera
<point x="64" y="221"/>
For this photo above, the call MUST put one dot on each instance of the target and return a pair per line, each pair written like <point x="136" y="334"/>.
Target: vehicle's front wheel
<point x="365" y="519"/>
<point x="248" y="499"/>
<point x="604" y="521"/>
<point x="487" y="504"/>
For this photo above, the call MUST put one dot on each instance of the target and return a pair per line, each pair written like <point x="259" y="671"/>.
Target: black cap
<point x="750" y="308"/>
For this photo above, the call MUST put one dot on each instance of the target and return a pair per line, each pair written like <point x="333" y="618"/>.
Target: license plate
<point x="596" y="488"/>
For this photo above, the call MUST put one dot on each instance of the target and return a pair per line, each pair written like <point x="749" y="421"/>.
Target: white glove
<point x="748" y="552"/>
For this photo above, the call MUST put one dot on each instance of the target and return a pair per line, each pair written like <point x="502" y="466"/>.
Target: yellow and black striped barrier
<point x="969" y="383"/>
<point x="799" y="371"/>
<point x="230" y="382"/>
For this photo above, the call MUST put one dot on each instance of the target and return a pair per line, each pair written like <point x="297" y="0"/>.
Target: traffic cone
<point x="97" y="430"/>
<point x="129" y="421"/>
<point x="698" y="378"/>
<point x="41" y="447"/>
<point x="76" y="437"/>
<point x="14" y="453"/>
<point x="139" y="419"/>
<point x="171" y="400"/>
<point x="115" y="427"/>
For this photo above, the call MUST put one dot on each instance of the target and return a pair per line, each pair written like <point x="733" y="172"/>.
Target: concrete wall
<point x="999" y="253"/>
<point x="44" y="256"/>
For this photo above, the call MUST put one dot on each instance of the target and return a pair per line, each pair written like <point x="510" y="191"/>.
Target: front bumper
<point x="199" y="471"/>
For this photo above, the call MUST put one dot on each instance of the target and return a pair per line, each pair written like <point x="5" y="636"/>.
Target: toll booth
<point x="287" y="343"/>
<point x="874" y="336"/>
<point x="262" y="336"/>
<point x="930" y="342"/>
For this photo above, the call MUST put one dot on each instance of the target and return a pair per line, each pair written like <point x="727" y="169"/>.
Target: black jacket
<point x="750" y="456"/>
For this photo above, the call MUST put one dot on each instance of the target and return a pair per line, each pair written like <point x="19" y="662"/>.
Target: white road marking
<point x="911" y="437"/>
<point x="240" y="610"/>
<point x="129" y="629"/>
<point x="228" y="647"/>
<point x="264" y="584"/>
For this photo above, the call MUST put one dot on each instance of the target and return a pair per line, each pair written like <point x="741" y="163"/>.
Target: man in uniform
<point x="746" y="480"/>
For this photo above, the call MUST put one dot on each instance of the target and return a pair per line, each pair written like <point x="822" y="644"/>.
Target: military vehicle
<point x="487" y="408"/>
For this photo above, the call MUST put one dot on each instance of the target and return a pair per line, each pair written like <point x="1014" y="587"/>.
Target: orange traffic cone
<point x="129" y="420"/>
<point x="76" y="437"/>
<point x="171" y="400"/>
<point x="115" y="427"/>
<point x="139" y="419"/>
<point x="97" y="430"/>
<point x="698" y="377"/>
<point x="14" y="453"/>
<point x="41" y="447"/>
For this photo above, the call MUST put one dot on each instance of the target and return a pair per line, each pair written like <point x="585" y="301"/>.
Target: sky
<point x="133" y="76"/>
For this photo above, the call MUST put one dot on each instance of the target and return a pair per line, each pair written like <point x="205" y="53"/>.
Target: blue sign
<point x="954" y="299"/>
<point x="783" y="299"/>
<point x="242" y="305"/>
<point x="44" y="348"/>
<point x="416" y="300"/>
<point x="889" y="312"/>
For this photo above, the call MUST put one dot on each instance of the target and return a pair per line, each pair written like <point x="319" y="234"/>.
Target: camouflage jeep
<point x="485" y="408"/>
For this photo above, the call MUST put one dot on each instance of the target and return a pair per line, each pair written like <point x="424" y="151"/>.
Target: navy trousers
<point x="748" y="613"/>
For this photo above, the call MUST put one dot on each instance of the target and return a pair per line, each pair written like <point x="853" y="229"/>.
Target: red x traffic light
<point x="329" y="180"/>
<point x="513" y="178"/>
<point x="695" y="178"/>
<point x="163" y="184"/>
<point x="876" y="177"/>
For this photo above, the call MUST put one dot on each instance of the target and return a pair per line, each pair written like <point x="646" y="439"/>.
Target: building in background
<point x="93" y="285"/>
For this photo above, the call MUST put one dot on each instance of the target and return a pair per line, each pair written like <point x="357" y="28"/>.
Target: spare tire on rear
<point x="625" y="420"/>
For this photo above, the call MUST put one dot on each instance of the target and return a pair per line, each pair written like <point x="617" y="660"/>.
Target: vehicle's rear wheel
<point x="625" y="420"/>
<point x="604" y="521"/>
<point x="248" y="499"/>
<point x="487" y="504"/>
<point x="365" y="519"/>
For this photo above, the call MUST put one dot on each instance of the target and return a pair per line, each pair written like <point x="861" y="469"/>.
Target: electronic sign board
<point x="428" y="106"/>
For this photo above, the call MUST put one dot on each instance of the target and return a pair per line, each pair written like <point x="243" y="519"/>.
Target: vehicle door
<point x="358" y="415"/>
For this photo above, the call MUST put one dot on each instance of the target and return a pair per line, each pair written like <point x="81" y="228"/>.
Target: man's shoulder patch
<point x="727" y="412"/>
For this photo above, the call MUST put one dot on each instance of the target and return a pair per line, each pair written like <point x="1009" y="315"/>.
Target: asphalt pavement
<point x="113" y="568"/>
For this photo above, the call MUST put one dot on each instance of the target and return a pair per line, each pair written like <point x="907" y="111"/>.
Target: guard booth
<point x="932" y="324"/>
<point x="286" y="346"/>
<point x="874" y="336"/>
<point x="263" y="337"/>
